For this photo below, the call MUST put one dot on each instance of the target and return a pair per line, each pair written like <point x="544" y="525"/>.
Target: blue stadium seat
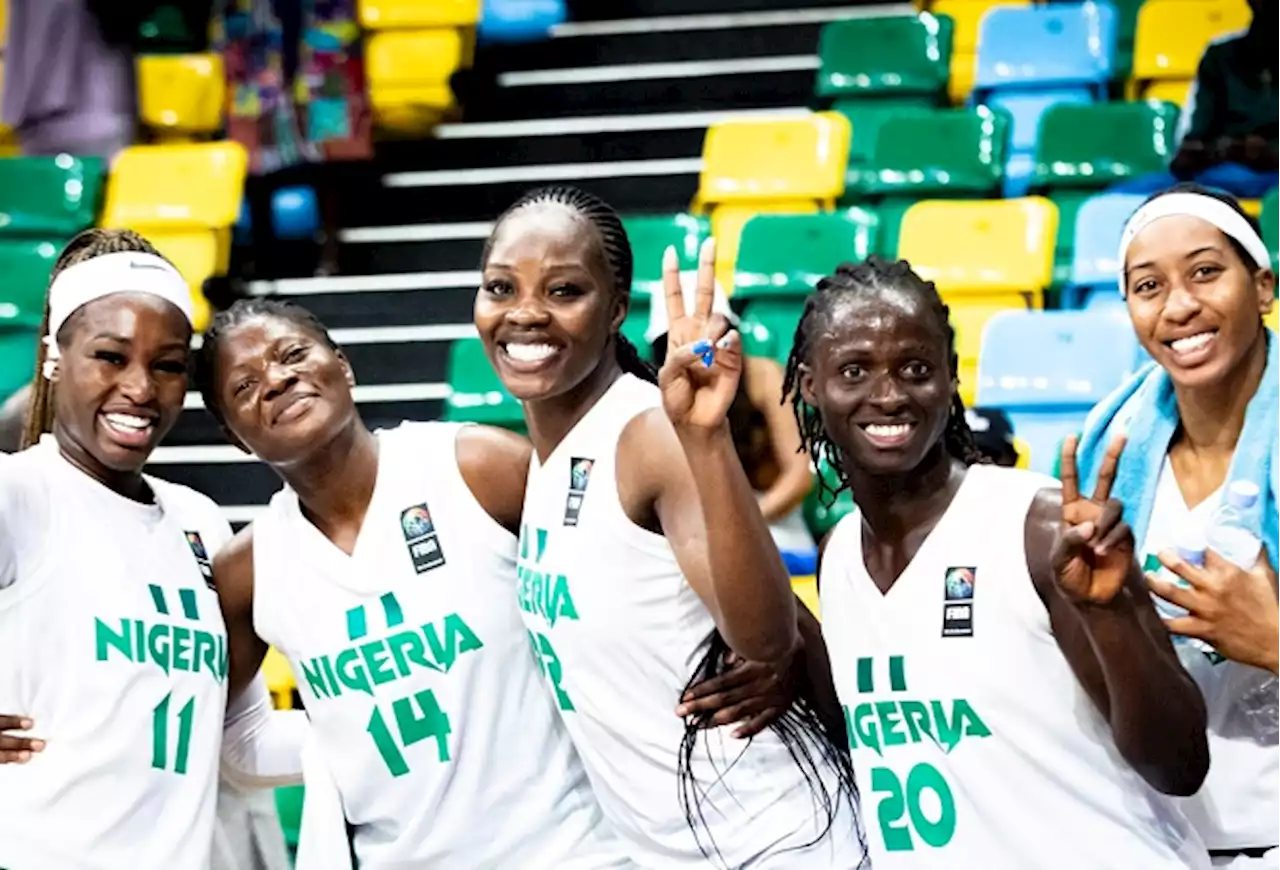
<point x="1031" y="57"/>
<point x="519" y="20"/>
<point x="1094" y="267"/>
<point x="1047" y="369"/>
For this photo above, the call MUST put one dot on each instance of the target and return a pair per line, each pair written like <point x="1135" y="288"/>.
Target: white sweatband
<point x="123" y="272"/>
<point x="1214" y="211"/>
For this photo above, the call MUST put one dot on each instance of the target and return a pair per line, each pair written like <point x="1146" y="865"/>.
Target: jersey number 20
<point x="899" y="800"/>
<point x="412" y="728"/>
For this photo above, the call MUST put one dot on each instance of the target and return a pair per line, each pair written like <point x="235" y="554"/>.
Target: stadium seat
<point x="185" y="199"/>
<point x="785" y="165"/>
<point x="409" y="73"/>
<point x="966" y="17"/>
<point x="947" y="152"/>
<point x="650" y="236"/>
<point x="1047" y="369"/>
<point x="985" y="256"/>
<point x="49" y="197"/>
<point x="1030" y="58"/>
<point x="519" y="20"/>
<point x="18" y="340"/>
<point x="289" y="800"/>
<point x="476" y="394"/>
<point x="1270" y="222"/>
<point x="781" y="261"/>
<point x="279" y="676"/>
<point x="820" y="516"/>
<point x="1089" y="147"/>
<point x="181" y="95"/>
<point x="904" y="58"/>
<point x="25" y="265"/>
<point x="172" y="28"/>
<point x="1170" y="40"/>
<point x="1094" y="267"/>
<point x="418" y="14"/>
<point x="1272" y="318"/>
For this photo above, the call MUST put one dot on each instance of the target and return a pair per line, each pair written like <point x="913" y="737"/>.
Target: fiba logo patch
<point x="957" y="602"/>
<point x="420" y="538"/>
<point x="579" y="477"/>
<point x="198" y="550"/>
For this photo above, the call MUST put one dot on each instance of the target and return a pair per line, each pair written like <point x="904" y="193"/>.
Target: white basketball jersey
<point x="112" y="641"/>
<point x="620" y="632"/>
<point x="418" y="676"/>
<point x="974" y="743"/>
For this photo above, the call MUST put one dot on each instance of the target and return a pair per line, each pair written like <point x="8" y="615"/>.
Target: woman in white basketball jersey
<point x="644" y="558"/>
<point x="1011" y="697"/>
<point x="385" y="573"/>
<point x="1197" y="279"/>
<point x="112" y="646"/>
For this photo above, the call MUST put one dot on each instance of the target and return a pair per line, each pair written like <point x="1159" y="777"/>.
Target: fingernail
<point x="682" y="711"/>
<point x="26" y="724"/>
<point x="723" y="343"/>
<point x="701" y="346"/>
<point x="670" y="259"/>
<point x="738" y="732"/>
<point x="37" y="745"/>
<point x="24" y="756"/>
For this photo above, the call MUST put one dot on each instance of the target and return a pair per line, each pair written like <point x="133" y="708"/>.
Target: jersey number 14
<point x="411" y="728"/>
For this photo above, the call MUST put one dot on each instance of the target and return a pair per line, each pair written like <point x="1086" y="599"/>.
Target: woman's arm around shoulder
<point x="494" y="463"/>
<point x="233" y="576"/>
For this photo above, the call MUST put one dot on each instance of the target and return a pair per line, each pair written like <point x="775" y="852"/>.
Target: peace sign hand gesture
<point x="704" y="355"/>
<point x="1093" y="555"/>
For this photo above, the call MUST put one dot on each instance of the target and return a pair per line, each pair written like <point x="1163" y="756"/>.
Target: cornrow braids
<point x="870" y="275"/>
<point x="226" y="320"/>
<point x="93" y="242"/>
<point x="614" y="244"/>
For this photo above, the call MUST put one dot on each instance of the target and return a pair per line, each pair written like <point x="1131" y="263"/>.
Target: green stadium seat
<point x="477" y="395"/>
<point x="1126" y="30"/>
<point x="897" y="57"/>
<point x="635" y="326"/>
<point x="784" y="255"/>
<point x="25" y="265"/>
<point x="174" y="28"/>
<point x="1270" y="221"/>
<point x="650" y="235"/>
<point x="768" y="327"/>
<point x="820" y="516"/>
<point x="865" y="120"/>
<point x="1085" y="148"/>
<point x="942" y="153"/>
<point x="289" y="800"/>
<point x="18" y="339"/>
<point x="49" y="196"/>
<point x="889" y="213"/>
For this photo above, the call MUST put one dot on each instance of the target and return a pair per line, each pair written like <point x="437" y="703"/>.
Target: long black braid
<point x="869" y="276"/>
<point x="225" y="321"/>
<point x="613" y="242"/>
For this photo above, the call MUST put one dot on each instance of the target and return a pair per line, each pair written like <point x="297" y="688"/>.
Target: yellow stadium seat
<point x="409" y="74"/>
<point x="1170" y="39"/>
<point x="418" y="14"/>
<point x="985" y="256"/>
<point x="806" y="589"/>
<point x="804" y="157"/>
<point x="785" y="165"/>
<point x="966" y="16"/>
<point x="8" y="142"/>
<point x="1272" y="318"/>
<point x="1023" y="450"/>
<point x="181" y="94"/>
<point x="184" y="198"/>
<point x="279" y="676"/>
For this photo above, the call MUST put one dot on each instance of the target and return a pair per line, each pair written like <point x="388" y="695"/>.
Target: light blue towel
<point x="1144" y="407"/>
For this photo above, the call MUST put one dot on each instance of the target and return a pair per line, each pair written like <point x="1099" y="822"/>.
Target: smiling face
<point x="1195" y="305"/>
<point x="548" y="308"/>
<point x="282" y="390"/>
<point x="120" y="382"/>
<point x="880" y="378"/>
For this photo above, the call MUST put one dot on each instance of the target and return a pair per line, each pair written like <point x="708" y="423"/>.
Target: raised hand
<point x="1093" y="555"/>
<point x="14" y="749"/>
<point x="704" y="356"/>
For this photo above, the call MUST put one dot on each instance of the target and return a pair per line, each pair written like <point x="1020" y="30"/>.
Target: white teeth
<point x="1191" y="342"/>
<point x="530" y="352"/>
<point x="882" y="430"/>
<point x="128" y="421"/>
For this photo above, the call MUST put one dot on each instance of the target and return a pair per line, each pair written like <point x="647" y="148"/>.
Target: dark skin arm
<point x="233" y="574"/>
<point x="1080" y="554"/>
<point x="495" y="466"/>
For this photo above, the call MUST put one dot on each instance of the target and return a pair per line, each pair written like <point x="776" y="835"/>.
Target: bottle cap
<point x="1242" y="494"/>
<point x="1192" y="543"/>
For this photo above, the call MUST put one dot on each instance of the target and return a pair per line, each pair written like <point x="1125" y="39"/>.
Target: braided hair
<point x="869" y="276"/>
<point x="238" y="313"/>
<point x="614" y="244"/>
<point x="93" y="242"/>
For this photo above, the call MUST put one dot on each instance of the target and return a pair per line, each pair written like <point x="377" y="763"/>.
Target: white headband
<point x="123" y="272"/>
<point x="1216" y="212"/>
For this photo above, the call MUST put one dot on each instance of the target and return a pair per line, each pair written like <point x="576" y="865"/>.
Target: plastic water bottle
<point x="1190" y="549"/>
<point x="1229" y="530"/>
